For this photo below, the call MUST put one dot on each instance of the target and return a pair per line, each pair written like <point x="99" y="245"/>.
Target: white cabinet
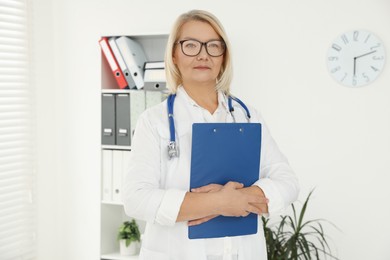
<point x="114" y="158"/>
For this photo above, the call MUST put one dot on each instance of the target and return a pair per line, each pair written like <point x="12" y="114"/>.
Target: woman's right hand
<point x="209" y="201"/>
<point x="236" y="203"/>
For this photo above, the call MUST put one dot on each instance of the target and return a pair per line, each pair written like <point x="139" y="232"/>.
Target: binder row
<point x="128" y="63"/>
<point x="141" y="84"/>
<point x="114" y="167"/>
<point x="120" y="112"/>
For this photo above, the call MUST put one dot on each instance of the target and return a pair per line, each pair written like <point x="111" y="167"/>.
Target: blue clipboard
<point x="223" y="152"/>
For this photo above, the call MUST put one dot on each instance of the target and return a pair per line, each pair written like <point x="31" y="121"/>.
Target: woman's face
<point x="202" y="68"/>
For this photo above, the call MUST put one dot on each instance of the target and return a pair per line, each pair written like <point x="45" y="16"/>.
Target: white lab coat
<point x="155" y="186"/>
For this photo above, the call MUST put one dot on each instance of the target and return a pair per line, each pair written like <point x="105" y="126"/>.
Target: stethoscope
<point x="173" y="150"/>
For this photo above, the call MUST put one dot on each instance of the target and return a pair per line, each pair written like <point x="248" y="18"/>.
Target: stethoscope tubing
<point x="170" y="101"/>
<point x="172" y="148"/>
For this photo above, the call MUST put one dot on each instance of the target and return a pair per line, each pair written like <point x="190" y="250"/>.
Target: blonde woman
<point x="199" y="73"/>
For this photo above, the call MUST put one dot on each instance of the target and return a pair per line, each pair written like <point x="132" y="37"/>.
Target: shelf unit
<point x="112" y="212"/>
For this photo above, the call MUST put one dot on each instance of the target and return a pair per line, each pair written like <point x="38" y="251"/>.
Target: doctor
<point x="199" y="72"/>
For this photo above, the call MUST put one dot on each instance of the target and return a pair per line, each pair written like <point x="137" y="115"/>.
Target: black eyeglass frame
<point x="205" y="46"/>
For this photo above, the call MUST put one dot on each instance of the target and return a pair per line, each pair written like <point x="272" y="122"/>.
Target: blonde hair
<point x="173" y="75"/>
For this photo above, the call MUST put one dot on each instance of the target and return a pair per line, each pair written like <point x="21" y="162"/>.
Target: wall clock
<point x="356" y="58"/>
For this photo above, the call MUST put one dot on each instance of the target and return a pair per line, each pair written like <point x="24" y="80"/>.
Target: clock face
<point x="356" y="58"/>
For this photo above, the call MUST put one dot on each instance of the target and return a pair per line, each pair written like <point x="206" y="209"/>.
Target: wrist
<point x="253" y="190"/>
<point x="217" y="203"/>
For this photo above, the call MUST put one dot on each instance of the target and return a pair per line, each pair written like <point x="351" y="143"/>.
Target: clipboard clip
<point x="173" y="150"/>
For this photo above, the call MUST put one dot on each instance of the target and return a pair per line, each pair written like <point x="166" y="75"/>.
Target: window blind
<point x="17" y="209"/>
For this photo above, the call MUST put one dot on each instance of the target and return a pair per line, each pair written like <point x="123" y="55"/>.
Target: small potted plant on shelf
<point x="129" y="237"/>
<point x="295" y="239"/>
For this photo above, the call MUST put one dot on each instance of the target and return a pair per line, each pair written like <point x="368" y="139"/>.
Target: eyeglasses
<point x="214" y="48"/>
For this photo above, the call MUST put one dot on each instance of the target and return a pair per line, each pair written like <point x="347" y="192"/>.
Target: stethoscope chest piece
<point x="173" y="150"/>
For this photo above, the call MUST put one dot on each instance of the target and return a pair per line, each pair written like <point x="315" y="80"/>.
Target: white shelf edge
<point x="116" y="147"/>
<point x="112" y="203"/>
<point x="115" y="91"/>
<point x="118" y="256"/>
<point x="128" y="91"/>
<point x="141" y="34"/>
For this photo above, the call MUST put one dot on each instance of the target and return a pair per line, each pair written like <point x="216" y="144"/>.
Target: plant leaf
<point x="294" y="238"/>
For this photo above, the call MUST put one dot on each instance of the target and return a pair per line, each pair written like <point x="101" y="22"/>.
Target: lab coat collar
<point x="222" y="99"/>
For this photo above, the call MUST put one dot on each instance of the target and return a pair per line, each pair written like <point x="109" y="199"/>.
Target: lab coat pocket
<point x="147" y="254"/>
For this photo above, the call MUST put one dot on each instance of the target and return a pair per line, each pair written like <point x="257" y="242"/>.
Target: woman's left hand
<point x="207" y="188"/>
<point x="214" y="188"/>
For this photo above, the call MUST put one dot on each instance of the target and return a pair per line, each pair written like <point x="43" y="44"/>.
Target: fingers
<point x="216" y="187"/>
<point x="253" y="209"/>
<point x="201" y="220"/>
<point x="208" y="188"/>
<point x="234" y="185"/>
<point x="257" y="205"/>
<point x="250" y="209"/>
<point x="257" y="199"/>
<point x="239" y="203"/>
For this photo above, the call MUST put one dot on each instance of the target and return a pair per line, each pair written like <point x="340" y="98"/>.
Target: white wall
<point x="47" y="130"/>
<point x="336" y="138"/>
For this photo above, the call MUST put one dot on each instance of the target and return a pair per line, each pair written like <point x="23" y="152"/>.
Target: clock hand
<point x="368" y="53"/>
<point x="357" y="57"/>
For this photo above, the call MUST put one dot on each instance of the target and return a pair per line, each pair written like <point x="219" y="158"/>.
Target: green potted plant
<point x="295" y="239"/>
<point x="129" y="237"/>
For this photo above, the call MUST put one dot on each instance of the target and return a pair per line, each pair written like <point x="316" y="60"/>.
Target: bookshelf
<point x="112" y="214"/>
